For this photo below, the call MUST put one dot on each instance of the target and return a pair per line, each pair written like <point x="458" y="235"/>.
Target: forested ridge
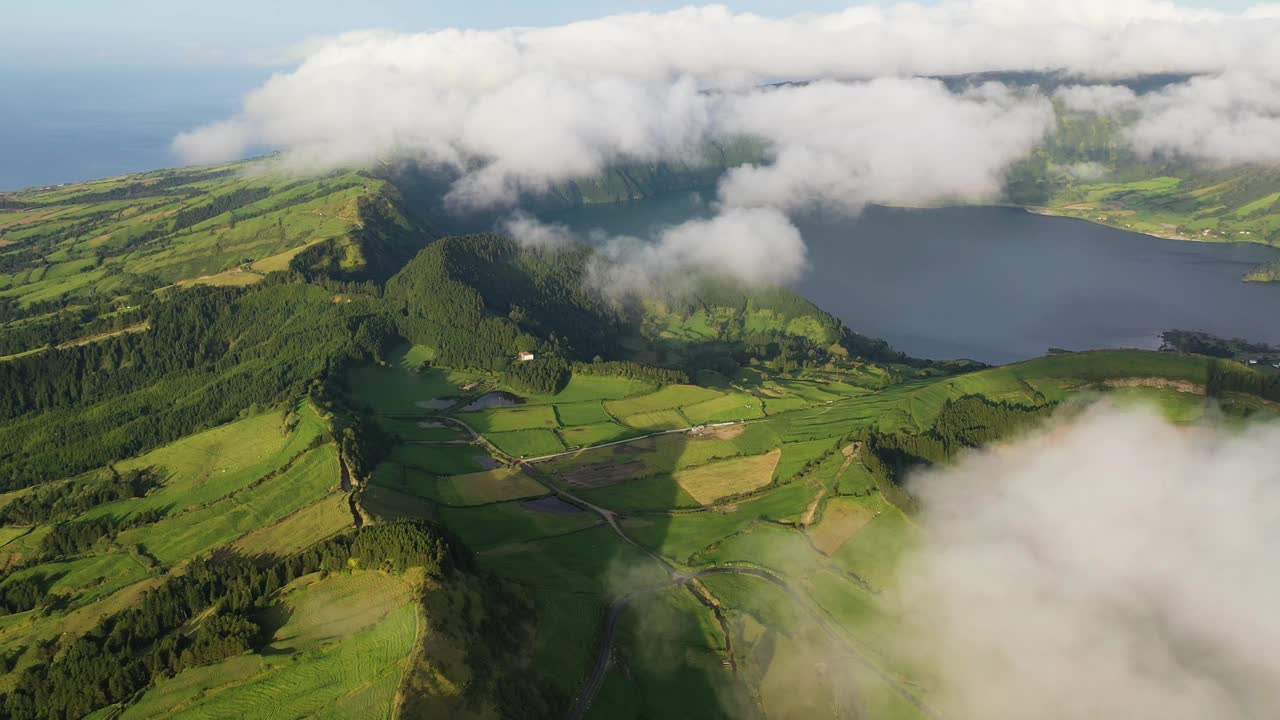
<point x="209" y="354"/>
<point x="121" y="655"/>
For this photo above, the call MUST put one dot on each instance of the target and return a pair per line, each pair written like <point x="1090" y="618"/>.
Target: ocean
<point x="64" y="125"/>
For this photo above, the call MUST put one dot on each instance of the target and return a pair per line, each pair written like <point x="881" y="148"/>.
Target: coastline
<point x="1050" y="212"/>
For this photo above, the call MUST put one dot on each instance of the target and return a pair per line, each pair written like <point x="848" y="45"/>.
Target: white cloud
<point x="515" y="111"/>
<point x="1116" y="567"/>
<point x="534" y="234"/>
<point x="1096" y="99"/>
<point x="755" y="245"/>
<point x="890" y="140"/>
<point x="535" y="105"/>
<point x="1226" y="119"/>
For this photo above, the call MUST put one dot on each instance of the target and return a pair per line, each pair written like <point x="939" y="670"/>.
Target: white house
<point x="525" y="356"/>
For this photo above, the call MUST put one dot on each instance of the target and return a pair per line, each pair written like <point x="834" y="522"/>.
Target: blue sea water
<point x="68" y="125"/>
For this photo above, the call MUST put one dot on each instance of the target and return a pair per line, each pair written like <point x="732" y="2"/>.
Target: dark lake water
<point x="1000" y="284"/>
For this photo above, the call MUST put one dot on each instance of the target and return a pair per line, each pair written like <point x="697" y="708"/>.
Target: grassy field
<point x="872" y="552"/>
<point x="668" y="453"/>
<point x="583" y="388"/>
<point x="841" y="519"/>
<point x="776" y="641"/>
<point x="441" y="459"/>
<point x="913" y="406"/>
<point x="512" y="418"/>
<point x="585" y="435"/>
<point x="713" y="481"/>
<point x="210" y="465"/>
<point x="411" y="482"/>
<point x="400" y="389"/>
<point x="341" y="654"/>
<point x="582" y="413"/>
<point x="667" y="398"/>
<point x="570" y="563"/>
<point x="318" y="521"/>
<point x="486" y="526"/>
<point x="568" y="577"/>
<point x="177" y="537"/>
<point x="796" y="455"/>
<point x="672" y="649"/>
<point x="680" y="536"/>
<point x="648" y="494"/>
<point x="526" y="443"/>
<point x="734" y="406"/>
<point x="412" y="429"/>
<point x="656" y="420"/>
<point x="89" y="578"/>
<point x="490" y="487"/>
<point x="1240" y="207"/>
<point x="88" y="241"/>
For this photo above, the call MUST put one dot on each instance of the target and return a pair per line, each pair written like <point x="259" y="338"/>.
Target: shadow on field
<point x="667" y="653"/>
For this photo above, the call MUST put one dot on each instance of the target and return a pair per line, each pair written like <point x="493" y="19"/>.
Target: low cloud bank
<point x="1117" y="566"/>
<point x="753" y="245"/>
<point x="516" y="111"/>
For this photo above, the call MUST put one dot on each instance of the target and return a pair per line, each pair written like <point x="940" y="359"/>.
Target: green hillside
<point x="104" y="244"/>
<point x="335" y="491"/>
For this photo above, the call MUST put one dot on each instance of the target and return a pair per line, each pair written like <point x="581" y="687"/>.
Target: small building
<point x="525" y="356"/>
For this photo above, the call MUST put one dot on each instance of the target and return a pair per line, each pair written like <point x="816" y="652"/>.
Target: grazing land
<point x="491" y="486"/>
<point x="713" y="481"/>
<point x="353" y="635"/>
<point x="668" y="398"/>
<point x="526" y="443"/>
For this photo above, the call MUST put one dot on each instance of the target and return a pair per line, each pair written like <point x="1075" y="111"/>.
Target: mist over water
<point x="999" y="284"/>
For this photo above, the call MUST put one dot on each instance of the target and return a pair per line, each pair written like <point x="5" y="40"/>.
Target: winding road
<point x="600" y="667"/>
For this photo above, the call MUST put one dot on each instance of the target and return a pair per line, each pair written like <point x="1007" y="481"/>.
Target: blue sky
<point x="62" y="33"/>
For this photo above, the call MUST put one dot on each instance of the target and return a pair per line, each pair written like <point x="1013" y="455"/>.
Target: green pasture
<point x="667" y="398"/>
<point x="340" y="655"/>
<point x="526" y="443"/>
<point x="182" y="536"/>
<point x="590" y="412"/>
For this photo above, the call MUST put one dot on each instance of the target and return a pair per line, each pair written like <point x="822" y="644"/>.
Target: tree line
<point x="124" y="652"/>
<point x="964" y="423"/>
<point x="210" y="353"/>
<point x="61" y="501"/>
<point x="1227" y="376"/>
